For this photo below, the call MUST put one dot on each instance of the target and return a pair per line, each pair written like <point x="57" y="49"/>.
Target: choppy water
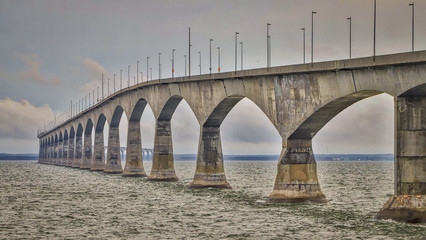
<point x="42" y="201"/>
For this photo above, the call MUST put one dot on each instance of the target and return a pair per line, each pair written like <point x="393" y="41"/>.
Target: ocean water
<point x="50" y="202"/>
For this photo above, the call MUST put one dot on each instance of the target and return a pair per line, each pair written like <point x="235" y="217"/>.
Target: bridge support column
<point x="134" y="163"/>
<point x="297" y="179"/>
<point x="55" y="154"/>
<point x="71" y="152"/>
<point x="210" y="171"/>
<point x="98" y="161"/>
<point x="162" y="161"/>
<point x="65" y="153"/>
<point x="78" y="146"/>
<point x="60" y="155"/>
<point x="87" y="154"/>
<point x="113" y="164"/>
<point x="409" y="202"/>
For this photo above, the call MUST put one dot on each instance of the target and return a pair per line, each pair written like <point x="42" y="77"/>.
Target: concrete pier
<point x="65" y="153"/>
<point x="60" y="157"/>
<point x="210" y="171"/>
<point x="71" y="152"/>
<point x="409" y="202"/>
<point x="98" y="162"/>
<point x="86" y="161"/>
<point x="134" y="163"/>
<point x="113" y="163"/>
<point x="78" y="147"/>
<point x="297" y="179"/>
<point x="162" y="162"/>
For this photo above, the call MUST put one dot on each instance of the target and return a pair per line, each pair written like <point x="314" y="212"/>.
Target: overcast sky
<point x="52" y="52"/>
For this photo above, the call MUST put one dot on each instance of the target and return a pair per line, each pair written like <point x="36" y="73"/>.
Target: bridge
<point x="299" y="100"/>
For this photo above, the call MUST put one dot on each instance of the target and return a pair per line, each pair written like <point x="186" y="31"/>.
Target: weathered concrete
<point x="78" y="147"/>
<point x="409" y="203"/>
<point x="298" y="100"/>
<point x="297" y="178"/>
<point x="86" y="161"/>
<point x="210" y="171"/>
<point x="98" y="162"/>
<point x="134" y="164"/>
<point x="60" y="157"/>
<point x="113" y="163"/>
<point x="71" y="152"/>
<point x="162" y="161"/>
<point x="65" y="153"/>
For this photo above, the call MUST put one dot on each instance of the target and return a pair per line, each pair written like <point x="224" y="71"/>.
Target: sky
<point x="54" y="52"/>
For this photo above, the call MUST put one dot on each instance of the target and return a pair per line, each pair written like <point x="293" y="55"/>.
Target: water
<point x="43" y="201"/>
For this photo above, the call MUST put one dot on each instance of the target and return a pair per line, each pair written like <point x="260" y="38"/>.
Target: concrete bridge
<point x="299" y="100"/>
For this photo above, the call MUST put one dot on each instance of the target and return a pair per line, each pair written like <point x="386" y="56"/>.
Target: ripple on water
<point x="42" y="201"/>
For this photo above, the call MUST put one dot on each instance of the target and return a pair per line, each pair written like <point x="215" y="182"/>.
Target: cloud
<point x="20" y="120"/>
<point x="32" y="72"/>
<point x="94" y="70"/>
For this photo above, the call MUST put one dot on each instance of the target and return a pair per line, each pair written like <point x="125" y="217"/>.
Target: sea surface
<point x="50" y="202"/>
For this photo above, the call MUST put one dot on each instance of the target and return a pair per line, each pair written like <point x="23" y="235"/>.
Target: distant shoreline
<point x="183" y="157"/>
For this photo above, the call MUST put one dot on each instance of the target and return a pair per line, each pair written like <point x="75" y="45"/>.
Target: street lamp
<point x="374" y="38"/>
<point x="304" y="43"/>
<point x="173" y="63"/>
<point x="159" y="66"/>
<point x="147" y="69"/>
<point x="236" y="53"/>
<point x="189" y="53"/>
<point x="128" y="76"/>
<point x="268" y="47"/>
<point x="211" y="40"/>
<point x="218" y="59"/>
<point x="241" y="43"/>
<point x="137" y="72"/>
<point x="93" y="98"/>
<point x="102" y="86"/>
<point x="114" y="82"/>
<point x="312" y="37"/>
<point x="412" y="26"/>
<point x="108" y="92"/>
<point x="185" y="64"/>
<point x="350" y="37"/>
<point x="200" y="61"/>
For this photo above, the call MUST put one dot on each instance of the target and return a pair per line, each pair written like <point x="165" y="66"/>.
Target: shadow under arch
<point x="98" y="159"/>
<point x="55" y="149"/>
<point x="60" y="148"/>
<point x="113" y="163"/>
<point x="71" y="147"/>
<point x="65" y="148"/>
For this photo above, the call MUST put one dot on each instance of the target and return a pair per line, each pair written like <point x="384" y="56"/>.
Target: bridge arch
<point x="113" y="163"/>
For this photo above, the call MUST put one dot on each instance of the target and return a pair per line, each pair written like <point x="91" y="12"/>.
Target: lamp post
<point x="374" y="38"/>
<point x="210" y="68"/>
<point x="312" y="36"/>
<point x="412" y="26"/>
<point x="268" y="47"/>
<point x="185" y="64"/>
<point x="93" y="98"/>
<point x="114" y="82"/>
<point x="218" y="59"/>
<point x="102" y="86"/>
<point x="173" y="63"/>
<point x="128" y="76"/>
<point x="159" y="66"/>
<point x="189" y="53"/>
<point x="97" y="99"/>
<point x="200" y="61"/>
<point x="304" y="43"/>
<point x="137" y="72"/>
<point x="241" y="43"/>
<point x="350" y="37"/>
<point x="89" y="99"/>
<point x="236" y="51"/>
<point x="147" y="69"/>
<point x="121" y="79"/>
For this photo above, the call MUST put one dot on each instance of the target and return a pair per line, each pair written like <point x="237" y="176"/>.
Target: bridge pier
<point x="409" y="202"/>
<point x="98" y="161"/>
<point x="134" y="163"/>
<point x="113" y="164"/>
<point x="65" y="153"/>
<point x="297" y="179"/>
<point x="71" y="152"/>
<point x="87" y="155"/>
<point x="78" y="146"/>
<point x="60" y="156"/>
<point x="209" y="170"/>
<point x="162" y="160"/>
